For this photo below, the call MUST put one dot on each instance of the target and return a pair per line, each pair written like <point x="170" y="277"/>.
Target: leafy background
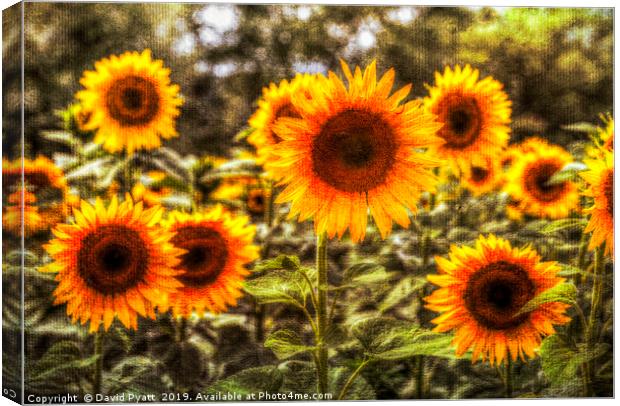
<point x="556" y="65"/>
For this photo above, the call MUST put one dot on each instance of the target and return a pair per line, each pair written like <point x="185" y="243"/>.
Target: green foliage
<point x="391" y="339"/>
<point x="139" y="375"/>
<point x="61" y="366"/>
<point x="286" y="343"/>
<point x="561" y="362"/>
<point x="363" y="274"/>
<point x="568" y="173"/>
<point x="403" y="289"/>
<point x="562" y="224"/>
<point x="562" y="292"/>
<point x="251" y="380"/>
<point x="290" y="379"/>
<point x="286" y="282"/>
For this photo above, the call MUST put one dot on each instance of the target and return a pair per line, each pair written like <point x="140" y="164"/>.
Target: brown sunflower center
<point x="256" y="202"/>
<point x="112" y="259"/>
<point x="206" y="255"/>
<point x="496" y="292"/>
<point x="608" y="187"/>
<point x="537" y="179"/>
<point x="478" y="174"/>
<point x="133" y="100"/>
<point x="462" y="120"/>
<point x="35" y="179"/>
<point x="354" y="151"/>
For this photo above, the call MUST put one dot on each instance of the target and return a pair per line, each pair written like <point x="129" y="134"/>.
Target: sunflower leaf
<point x="251" y="380"/>
<point x="243" y="134"/>
<point x="581" y="127"/>
<point x="300" y="382"/>
<point x="363" y="274"/>
<point x="389" y="339"/>
<point x="403" y="289"/>
<point x="62" y="137"/>
<point x="570" y="271"/>
<point x="286" y="284"/>
<point x="563" y="224"/>
<point x="286" y="343"/>
<point x="563" y="293"/>
<point x="561" y="362"/>
<point x="290" y="262"/>
<point x="112" y="174"/>
<point x="90" y="169"/>
<point x="566" y="174"/>
<point x="62" y="361"/>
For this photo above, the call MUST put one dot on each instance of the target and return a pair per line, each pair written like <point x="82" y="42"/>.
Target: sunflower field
<point x="296" y="202"/>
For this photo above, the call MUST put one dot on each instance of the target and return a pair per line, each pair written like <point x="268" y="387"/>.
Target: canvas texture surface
<point x="225" y="202"/>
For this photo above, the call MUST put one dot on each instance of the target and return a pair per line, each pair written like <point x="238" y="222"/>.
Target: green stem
<point x="99" y="362"/>
<point x="508" y="384"/>
<point x="352" y="378"/>
<point x="321" y="313"/>
<point x="597" y="290"/>
<point x="259" y="321"/>
<point x="419" y="362"/>
<point x="127" y="174"/>
<point x="270" y="205"/>
<point x="182" y="329"/>
<point x="581" y="258"/>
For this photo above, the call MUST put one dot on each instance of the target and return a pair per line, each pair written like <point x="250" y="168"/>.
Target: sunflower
<point x="76" y="118"/>
<point x="603" y="138"/>
<point x="275" y="103"/>
<point x="45" y="195"/>
<point x="528" y="183"/>
<point x="113" y="261"/>
<point x="600" y="178"/>
<point x="256" y="200"/>
<point x="218" y="246"/>
<point x="150" y="196"/>
<point x="482" y="289"/>
<point x="231" y="189"/>
<point x="607" y="134"/>
<point x="353" y="149"/>
<point x="482" y="177"/>
<point x="475" y="113"/>
<point x="131" y="100"/>
<point x="33" y="221"/>
<point x="39" y="174"/>
<point x="151" y="191"/>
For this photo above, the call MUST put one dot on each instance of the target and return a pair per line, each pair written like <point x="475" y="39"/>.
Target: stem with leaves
<point x="352" y="378"/>
<point x="259" y="309"/>
<point x="597" y="290"/>
<point x="99" y="362"/>
<point x="508" y="384"/>
<point x="321" y="313"/>
<point x="270" y="206"/>
<point x="127" y="178"/>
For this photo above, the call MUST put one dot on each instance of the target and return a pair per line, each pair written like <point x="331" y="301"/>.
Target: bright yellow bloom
<point x="600" y="178"/>
<point x="528" y="183"/>
<point x="482" y="289"/>
<point x="355" y="148"/>
<point x="218" y="247"/>
<point x="132" y="102"/>
<point x="275" y="103"/>
<point x="603" y="139"/>
<point x="475" y="113"/>
<point x="113" y="262"/>
<point x="483" y="176"/>
<point x="41" y="179"/>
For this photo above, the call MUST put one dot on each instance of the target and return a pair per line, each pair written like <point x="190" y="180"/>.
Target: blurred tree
<point x="556" y="63"/>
